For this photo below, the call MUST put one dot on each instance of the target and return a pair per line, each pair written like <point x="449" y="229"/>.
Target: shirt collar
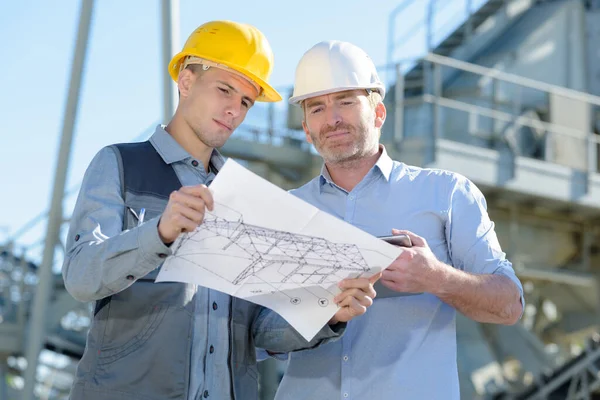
<point x="384" y="165"/>
<point x="172" y="152"/>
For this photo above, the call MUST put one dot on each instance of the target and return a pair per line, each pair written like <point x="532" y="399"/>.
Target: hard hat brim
<point x="296" y="100"/>
<point x="268" y="93"/>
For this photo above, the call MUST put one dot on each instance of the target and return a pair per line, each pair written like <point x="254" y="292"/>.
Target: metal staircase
<point x="415" y="80"/>
<point x="465" y="31"/>
<point x="579" y="378"/>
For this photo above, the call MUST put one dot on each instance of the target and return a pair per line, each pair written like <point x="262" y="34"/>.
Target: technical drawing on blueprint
<point x="261" y="260"/>
<point x="286" y="255"/>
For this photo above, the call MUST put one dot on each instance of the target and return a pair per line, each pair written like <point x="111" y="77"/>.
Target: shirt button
<point x="345" y="358"/>
<point x="351" y="197"/>
<point x="212" y="349"/>
<point x="162" y="255"/>
<point x="195" y="164"/>
<point x="214" y="306"/>
<point x="205" y="393"/>
<point x="77" y="237"/>
<point x="130" y="277"/>
<point x="345" y="394"/>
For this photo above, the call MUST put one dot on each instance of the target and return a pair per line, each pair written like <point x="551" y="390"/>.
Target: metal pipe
<point x="22" y="307"/>
<point x="513" y="229"/>
<point x="592" y="154"/>
<point x="392" y="30"/>
<point x="437" y="94"/>
<point x="516" y="79"/>
<point x="45" y="281"/>
<point x="430" y="15"/>
<point x="391" y="42"/>
<point x="170" y="41"/>
<point x="399" y="106"/>
<point x="500" y="115"/>
<point x="469" y="23"/>
<point x="586" y="248"/>
<point x="271" y="121"/>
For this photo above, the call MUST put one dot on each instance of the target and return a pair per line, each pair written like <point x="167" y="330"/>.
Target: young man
<point x="171" y="340"/>
<point x="405" y="346"/>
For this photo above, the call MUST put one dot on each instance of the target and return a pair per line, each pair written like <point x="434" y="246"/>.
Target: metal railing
<point x="437" y="94"/>
<point x="427" y="24"/>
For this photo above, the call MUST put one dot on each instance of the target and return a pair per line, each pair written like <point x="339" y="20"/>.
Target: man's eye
<point x="226" y="91"/>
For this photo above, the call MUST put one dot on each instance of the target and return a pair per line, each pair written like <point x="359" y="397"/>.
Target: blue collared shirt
<point x="403" y="347"/>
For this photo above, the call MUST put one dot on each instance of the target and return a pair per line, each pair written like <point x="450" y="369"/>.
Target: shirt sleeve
<point x="472" y="242"/>
<point x="101" y="258"/>
<point x="275" y="335"/>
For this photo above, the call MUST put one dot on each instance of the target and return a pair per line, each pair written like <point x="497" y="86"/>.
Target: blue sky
<point x="121" y="90"/>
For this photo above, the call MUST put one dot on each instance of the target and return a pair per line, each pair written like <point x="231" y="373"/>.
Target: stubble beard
<point x="345" y="154"/>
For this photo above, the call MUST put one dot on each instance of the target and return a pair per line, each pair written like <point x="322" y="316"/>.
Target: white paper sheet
<point x="264" y="245"/>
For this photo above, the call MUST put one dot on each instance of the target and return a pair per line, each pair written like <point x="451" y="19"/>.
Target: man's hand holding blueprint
<point x="283" y="253"/>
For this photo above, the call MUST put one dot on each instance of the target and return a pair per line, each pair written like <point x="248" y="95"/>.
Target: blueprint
<point x="264" y="245"/>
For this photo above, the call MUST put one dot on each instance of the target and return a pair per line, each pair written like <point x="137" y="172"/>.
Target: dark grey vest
<point x="139" y="342"/>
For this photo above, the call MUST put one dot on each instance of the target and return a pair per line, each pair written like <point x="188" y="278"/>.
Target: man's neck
<point x="187" y="139"/>
<point x="348" y="174"/>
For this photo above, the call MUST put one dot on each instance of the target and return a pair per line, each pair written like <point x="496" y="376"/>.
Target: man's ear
<point x="380" y="115"/>
<point x="185" y="81"/>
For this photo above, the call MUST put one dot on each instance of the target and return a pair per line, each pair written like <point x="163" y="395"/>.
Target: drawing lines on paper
<point x="292" y="260"/>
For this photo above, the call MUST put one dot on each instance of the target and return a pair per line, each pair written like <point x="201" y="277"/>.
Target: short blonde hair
<point x="195" y="68"/>
<point x="374" y="98"/>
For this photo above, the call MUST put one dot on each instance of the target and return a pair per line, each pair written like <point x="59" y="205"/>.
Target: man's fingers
<point x="365" y="300"/>
<point x="363" y="297"/>
<point x="352" y="307"/>
<point x="358" y="283"/>
<point x="180" y="199"/>
<point x="357" y="296"/>
<point x="185" y="224"/>
<point x="353" y="286"/>
<point x="185" y="211"/>
<point x="375" y="277"/>
<point x="195" y="216"/>
<point x="414" y="238"/>
<point x="201" y="191"/>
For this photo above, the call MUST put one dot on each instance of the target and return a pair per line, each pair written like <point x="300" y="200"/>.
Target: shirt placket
<point x="346" y="370"/>
<point x="216" y="348"/>
<point x="346" y="360"/>
<point x="350" y="207"/>
<point x="190" y="172"/>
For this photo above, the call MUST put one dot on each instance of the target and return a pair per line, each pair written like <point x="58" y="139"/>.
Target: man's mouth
<point x="223" y="124"/>
<point x="336" y="134"/>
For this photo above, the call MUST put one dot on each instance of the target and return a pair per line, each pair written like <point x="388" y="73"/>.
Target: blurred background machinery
<point x="508" y="94"/>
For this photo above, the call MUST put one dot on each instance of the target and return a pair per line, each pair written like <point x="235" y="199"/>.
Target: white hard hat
<point x="334" y="66"/>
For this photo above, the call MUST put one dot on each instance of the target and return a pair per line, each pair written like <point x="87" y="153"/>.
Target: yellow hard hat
<point x="237" y="46"/>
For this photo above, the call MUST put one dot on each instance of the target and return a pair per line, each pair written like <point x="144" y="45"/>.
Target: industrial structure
<point x="509" y="96"/>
